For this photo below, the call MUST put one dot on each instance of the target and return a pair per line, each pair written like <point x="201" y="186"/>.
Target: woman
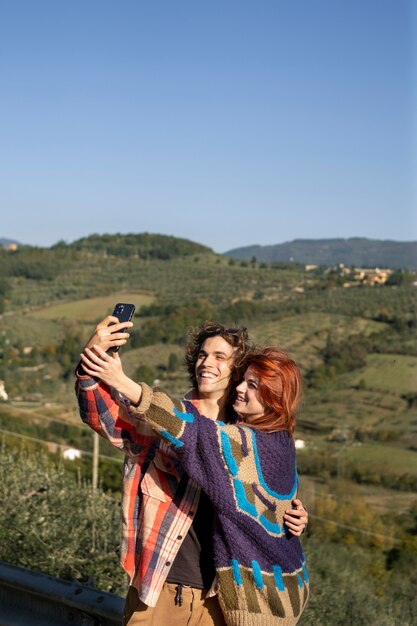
<point x="248" y="470"/>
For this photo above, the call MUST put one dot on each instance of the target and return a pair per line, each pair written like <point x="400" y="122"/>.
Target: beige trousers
<point x="196" y="609"/>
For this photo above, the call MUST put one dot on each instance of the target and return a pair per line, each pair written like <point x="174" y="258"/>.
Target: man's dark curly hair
<point x="236" y="337"/>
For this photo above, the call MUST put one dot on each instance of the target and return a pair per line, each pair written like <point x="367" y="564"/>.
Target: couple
<point x="208" y="535"/>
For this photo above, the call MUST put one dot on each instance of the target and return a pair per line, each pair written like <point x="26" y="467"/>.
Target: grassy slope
<point x="91" y="309"/>
<point x="395" y="373"/>
<point x="304" y="335"/>
<point x="203" y="276"/>
<point x="378" y="455"/>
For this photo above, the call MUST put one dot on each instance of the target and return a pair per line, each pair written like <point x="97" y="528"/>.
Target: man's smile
<point x="207" y="374"/>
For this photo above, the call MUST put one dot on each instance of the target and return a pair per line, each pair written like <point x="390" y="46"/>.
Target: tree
<point x="173" y="362"/>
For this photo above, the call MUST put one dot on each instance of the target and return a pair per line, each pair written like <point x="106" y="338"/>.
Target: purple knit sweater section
<point x="237" y="535"/>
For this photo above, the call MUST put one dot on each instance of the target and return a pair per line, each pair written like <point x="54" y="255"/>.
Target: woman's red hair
<point x="279" y="389"/>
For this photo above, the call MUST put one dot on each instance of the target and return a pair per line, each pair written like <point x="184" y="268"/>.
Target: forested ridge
<point x="357" y="251"/>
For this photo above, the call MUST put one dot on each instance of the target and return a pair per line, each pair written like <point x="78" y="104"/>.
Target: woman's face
<point x="247" y="402"/>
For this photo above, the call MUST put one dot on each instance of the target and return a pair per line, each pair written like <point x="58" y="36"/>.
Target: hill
<point x="6" y="243"/>
<point x="356" y="347"/>
<point x="141" y="245"/>
<point x="357" y="251"/>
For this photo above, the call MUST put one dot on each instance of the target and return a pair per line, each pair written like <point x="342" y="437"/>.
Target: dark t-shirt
<point x="194" y="563"/>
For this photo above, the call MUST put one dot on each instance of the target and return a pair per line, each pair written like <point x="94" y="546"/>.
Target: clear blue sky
<point x="229" y="122"/>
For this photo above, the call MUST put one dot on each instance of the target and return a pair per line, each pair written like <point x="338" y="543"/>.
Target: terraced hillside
<point x="280" y="304"/>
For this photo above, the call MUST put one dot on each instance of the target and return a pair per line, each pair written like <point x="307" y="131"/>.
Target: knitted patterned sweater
<point x="251" y="478"/>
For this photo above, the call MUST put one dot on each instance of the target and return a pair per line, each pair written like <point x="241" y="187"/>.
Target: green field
<point x="48" y="323"/>
<point x="378" y="455"/>
<point x="304" y="335"/>
<point x="29" y="330"/>
<point x="92" y="309"/>
<point x="379" y="499"/>
<point x="389" y="372"/>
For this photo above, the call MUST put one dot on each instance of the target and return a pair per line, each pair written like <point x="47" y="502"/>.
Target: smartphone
<point x="124" y="313"/>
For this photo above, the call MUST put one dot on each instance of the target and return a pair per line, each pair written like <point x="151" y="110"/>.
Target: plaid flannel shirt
<point x="158" y="498"/>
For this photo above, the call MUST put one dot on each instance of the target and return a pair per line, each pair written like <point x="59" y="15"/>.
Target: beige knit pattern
<point x="253" y="500"/>
<point x="248" y="605"/>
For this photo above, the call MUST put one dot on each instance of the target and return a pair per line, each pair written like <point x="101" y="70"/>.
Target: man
<point x="167" y="519"/>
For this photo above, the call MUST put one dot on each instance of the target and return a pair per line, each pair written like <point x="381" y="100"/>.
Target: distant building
<point x="372" y="277"/>
<point x="3" y="393"/>
<point x="70" y="454"/>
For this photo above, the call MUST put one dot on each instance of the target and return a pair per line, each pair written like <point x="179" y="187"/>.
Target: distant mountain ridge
<point x="5" y="243"/>
<point x="358" y="251"/>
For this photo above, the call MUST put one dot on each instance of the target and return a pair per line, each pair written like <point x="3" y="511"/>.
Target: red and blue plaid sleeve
<point x="108" y="413"/>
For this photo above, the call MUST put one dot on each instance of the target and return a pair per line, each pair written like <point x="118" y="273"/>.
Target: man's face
<point x="214" y="367"/>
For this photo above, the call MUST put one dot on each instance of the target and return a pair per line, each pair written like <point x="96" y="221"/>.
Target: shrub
<point x="54" y="523"/>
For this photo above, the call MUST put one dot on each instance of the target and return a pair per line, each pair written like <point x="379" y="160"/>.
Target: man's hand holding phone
<point x="111" y="333"/>
<point x="100" y="358"/>
<point x="108" y="339"/>
<point x="123" y="313"/>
